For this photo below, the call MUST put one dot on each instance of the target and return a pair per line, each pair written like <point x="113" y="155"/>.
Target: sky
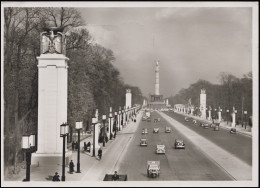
<point x="191" y="43"/>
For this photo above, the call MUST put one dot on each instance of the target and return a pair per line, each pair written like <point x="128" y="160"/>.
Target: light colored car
<point x="153" y="168"/>
<point x="143" y="142"/>
<point x="179" y="144"/>
<point x="156" y="130"/>
<point x="206" y="126"/>
<point x="144" y="131"/>
<point x="160" y="149"/>
<point x="167" y="129"/>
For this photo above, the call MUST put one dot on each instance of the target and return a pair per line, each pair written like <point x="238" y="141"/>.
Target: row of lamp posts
<point x="29" y="146"/>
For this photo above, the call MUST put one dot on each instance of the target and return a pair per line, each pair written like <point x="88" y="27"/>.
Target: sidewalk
<point x="223" y="125"/>
<point x="87" y="162"/>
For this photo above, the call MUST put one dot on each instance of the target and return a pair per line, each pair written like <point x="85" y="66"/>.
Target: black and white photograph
<point x="135" y="93"/>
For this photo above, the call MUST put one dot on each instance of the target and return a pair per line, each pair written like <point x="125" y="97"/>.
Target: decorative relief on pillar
<point x="53" y="41"/>
<point x="203" y="91"/>
<point x="128" y="90"/>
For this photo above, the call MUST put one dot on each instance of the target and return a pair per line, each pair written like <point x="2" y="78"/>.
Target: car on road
<point x="216" y="128"/>
<point x="179" y="144"/>
<point x="156" y="130"/>
<point x="233" y="131"/>
<point x="153" y="168"/>
<point x="148" y="119"/>
<point x="206" y="126"/>
<point x="144" y="118"/>
<point x="187" y="119"/>
<point x="143" y="142"/>
<point x="160" y="149"/>
<point x="167" y="129"/>
<point x="156" y="120"/>
<point x="144" y="131"/>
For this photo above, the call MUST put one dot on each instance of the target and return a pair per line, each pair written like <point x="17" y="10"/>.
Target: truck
<point x="153" y="168"/>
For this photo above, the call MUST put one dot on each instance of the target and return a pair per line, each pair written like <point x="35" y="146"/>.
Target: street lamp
<point x="94" y="122"/>
<point x="64" y="130"/>
<point x="28" y="145"/>
<point x="110" y="123"/>
<point x="235" y="111"/>
<point x="104" y="129"/>
<point x="78" y="128"/>
<point x="245" y="112"/>
<point x="227" y="115"/>
<point x="115" y="124"/>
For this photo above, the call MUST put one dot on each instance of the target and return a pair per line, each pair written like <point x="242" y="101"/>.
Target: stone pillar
<point x="128" y="98"/>
<point x="167" y="102"/>
<point x="97" y="127"/>
<point x="191" y="111"/>
<point x="203" y="103"/>
<point x="52" y="98"/>
<point x="233" y="119"/>
<point x="219" y="116"/>
<point x="157" y="92"/>
<point x="209" y="118"/>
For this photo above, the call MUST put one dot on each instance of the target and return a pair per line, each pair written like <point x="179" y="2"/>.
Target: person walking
<point x="100" y="153"/>
<point x="71" y="167"/>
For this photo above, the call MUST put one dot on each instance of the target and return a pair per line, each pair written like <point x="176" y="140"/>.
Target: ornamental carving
<point x="53" y="41"/>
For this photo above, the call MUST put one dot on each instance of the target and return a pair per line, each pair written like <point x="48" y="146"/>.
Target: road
<point x="188" y="164"/>
<point x="237" y="144"/>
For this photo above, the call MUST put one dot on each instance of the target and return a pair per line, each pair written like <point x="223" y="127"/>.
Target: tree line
<point x="231" y="92"/>
<point x="93" y="81"/>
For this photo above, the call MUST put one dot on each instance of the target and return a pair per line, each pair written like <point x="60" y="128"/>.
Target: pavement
<point x="89" y="165"/>
<point x="224" y="124"/>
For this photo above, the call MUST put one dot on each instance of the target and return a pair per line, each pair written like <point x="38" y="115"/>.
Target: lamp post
<point x="116" y="123"/>
<point x="78" y="128"/>
<point x="122" y="115"/>
<point x="110" y="124"/>
<point x="215" y="114"/>
<point x="227" y="115"/>
<point x="64" y="130"/>
<point x="245" y="112"/>
<point x="104" y="129"/>
<point x="235" y="118"/>
<point x="28" y="145"/>
<point x="94" y="122"/>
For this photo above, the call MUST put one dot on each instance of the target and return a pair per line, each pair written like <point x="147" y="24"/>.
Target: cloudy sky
<point x="190" y="43"/>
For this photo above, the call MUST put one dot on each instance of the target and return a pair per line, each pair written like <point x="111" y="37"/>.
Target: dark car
<point x="233" y="131"/>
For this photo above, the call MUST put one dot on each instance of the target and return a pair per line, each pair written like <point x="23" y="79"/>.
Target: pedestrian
<point x="85" y="146"/>
<point x="71" y="167"/>
<point x="73" y="145"/>
<point x="56" y="177"/>
<point x="100" y="153"/>
<point x="88" y="146"/>
<point x="115" y="177"/>
<point x="76" y="145"/>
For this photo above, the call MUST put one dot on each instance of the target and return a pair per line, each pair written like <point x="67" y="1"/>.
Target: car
<point x="156" y="130"/>
<point x="179" y="144"/>
<point x="144" y="131"/>
<point x="206" y="126"/>
<point x="201" y="124"/>
<point x="148" y="119"/>
<point x="194" y="121"/>
<point x="187" y="119"/>
<point x="233" y="131"/>
<point x="153" y="168"/>
<point x="167" y="129"/>
<point x="143" y="142"/>
<point x="144" y="118"/>
<point x="216" y="128"/>
<point x="156" y="120"/>
<point x="160" y="149"/>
